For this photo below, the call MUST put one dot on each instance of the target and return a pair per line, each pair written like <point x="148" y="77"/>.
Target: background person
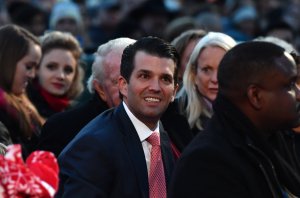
<point x="20" y="53"/>
<point x="184" y="44"/>
<point x="59" y="76"/>
<point x="200" y="83"/>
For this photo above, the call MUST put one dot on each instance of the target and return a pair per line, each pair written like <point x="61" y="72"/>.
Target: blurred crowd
<point x="94" y="22"/>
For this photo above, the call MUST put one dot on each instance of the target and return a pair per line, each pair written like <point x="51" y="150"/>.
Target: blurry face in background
<point x="38" y="25"/>
<point x="57" y="71"/>
<point x="26" y="68"/>
<point x="185" y="57"/>
<point x="154" y="24"/>
<point x="283" y="33"/>
<point x="109" y="83"/>
<point x="67" y="25"/>
<point x="207" y="67"/>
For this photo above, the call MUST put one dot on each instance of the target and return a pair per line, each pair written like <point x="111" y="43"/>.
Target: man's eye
<point x="144" y="76"/>
<point x="167" y="79"/>
<point x="114" y="81"/>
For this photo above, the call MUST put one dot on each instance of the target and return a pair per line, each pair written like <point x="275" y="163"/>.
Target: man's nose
<point x="154" y="85"/>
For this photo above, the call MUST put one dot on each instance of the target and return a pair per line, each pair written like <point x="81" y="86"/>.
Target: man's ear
<point x="175" y="91"/>
<point x="123" y="88"/>
<point x="99" y="89"/>
<point x="255" y="96"/>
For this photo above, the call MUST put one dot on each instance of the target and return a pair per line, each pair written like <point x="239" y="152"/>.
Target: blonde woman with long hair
<point x="200" y="84"/>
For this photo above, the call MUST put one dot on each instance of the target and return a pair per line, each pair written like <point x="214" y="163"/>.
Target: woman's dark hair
<point x="14" y="45"/>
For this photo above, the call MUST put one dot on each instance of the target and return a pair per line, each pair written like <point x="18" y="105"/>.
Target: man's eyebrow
<point x="144" y="71"/>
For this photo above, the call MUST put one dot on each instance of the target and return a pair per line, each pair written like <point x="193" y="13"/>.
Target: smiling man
<point x="125" y="152"/>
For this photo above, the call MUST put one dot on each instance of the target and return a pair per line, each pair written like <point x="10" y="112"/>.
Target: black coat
<point x="5" y="138"/>
<point x="62" y="127"/>
<point x="39" y="101"/>
<point x="4" y="135"/>
<point x="12" y="128"/>
<point x="177" y="126"/>
<point x="106" y="159"/>
<point x="231" y="159"/>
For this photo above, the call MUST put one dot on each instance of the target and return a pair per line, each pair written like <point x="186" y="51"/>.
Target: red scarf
<point x="56" y="103"/>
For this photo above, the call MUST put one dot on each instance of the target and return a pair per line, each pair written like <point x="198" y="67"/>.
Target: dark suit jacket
<point x="177" y="126"/>
<point x="106" y="159"/>
<point x="62" y="127"/>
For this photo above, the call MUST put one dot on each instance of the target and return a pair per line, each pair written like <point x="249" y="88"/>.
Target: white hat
<point x="65" y="10"/>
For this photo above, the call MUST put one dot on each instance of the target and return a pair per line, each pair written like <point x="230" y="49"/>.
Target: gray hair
<point x="116" y="45"/>
<point x="289" y="48"/>
<point x="195" y="102"/>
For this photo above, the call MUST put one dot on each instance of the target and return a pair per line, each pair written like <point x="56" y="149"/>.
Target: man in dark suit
<point x="112" y="155"/>
<point x="62" y="127"/>
<point x="246" y="150"/>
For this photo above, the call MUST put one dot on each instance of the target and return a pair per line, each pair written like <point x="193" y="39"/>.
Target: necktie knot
<point x="153" y="139"/>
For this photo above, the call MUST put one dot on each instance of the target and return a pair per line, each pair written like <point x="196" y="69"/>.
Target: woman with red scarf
<point x="59" y="75"/>
<point x="20" y="54"/>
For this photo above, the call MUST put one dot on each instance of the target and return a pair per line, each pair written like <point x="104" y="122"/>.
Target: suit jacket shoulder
<point x="108" y="147"/>
<point x="62" y="127"/>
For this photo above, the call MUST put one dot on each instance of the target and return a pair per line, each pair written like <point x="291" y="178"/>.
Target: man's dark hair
<point x="247" y="63"/>
<point x="151" y="45"/>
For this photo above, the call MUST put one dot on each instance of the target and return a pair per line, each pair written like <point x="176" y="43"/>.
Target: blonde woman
<point x="200" y="84"/>
<point x="59" y="76"/>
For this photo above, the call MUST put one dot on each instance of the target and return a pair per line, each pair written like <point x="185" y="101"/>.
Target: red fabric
<point x="176" y="152"/>
<point x="157" y="181"/>
<point x="56" y="103"/>
<point x="38" y="178"/>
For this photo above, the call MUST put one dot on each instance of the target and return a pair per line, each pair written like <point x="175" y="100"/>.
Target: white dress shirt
<point x="143" y="132"/>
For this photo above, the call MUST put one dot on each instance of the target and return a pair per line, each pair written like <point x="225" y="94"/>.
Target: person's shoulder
<point x="102" y="123"/>
<point x="83" y="111"/>
<point x="101" y="131"/>
<point x="208" y="140"/>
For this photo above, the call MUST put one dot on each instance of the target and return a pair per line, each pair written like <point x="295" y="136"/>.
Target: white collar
<point x="143" y="131"/>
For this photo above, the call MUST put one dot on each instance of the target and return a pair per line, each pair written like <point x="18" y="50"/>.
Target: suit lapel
<point x="135" y="150"/>
<point x="167" y="154"/>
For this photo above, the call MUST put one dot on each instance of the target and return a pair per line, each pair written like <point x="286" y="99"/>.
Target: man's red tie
<point x="157" y="182"/>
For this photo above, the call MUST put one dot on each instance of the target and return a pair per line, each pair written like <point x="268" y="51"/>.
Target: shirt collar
<point x="143" y="131"/>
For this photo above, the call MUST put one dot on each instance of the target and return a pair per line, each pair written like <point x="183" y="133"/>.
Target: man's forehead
<point x="140" y="55"/>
